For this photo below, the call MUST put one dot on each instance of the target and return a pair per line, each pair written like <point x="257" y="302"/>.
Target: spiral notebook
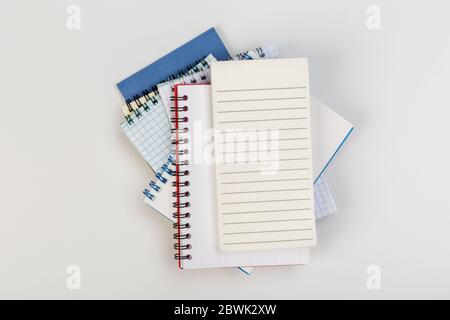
<point x="194" y="195"/>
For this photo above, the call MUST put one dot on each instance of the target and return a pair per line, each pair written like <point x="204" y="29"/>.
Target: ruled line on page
<point x="259" y="181"/>
<point x="267" y="241"/>
<point x="260" y="120"/>
<point x="280" y="129"/>
<point x="254" y="110"/>
<point x="266" y="231"/>
<point x="266" y="160"/>
<point x="269" y="160"/>
<point x="259" y="89"/>
<point x="261" y="99"/>
<point x="264" y="211"/>
<point x="298" y="128"/>
<point x="257" y="171"/>
<point x="265" y="221"/>
<point x="265" y="140"/>
<point x="262" y="150"/>
<point x="270" y="190"/>
<point x="265" y="201"/>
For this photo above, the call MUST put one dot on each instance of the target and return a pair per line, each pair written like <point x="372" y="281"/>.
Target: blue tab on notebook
<point x="208" y="42"/>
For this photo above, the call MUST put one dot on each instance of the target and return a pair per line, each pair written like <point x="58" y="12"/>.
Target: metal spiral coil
<point x="182" y="130"/>
<point x="181" y="225"/>
<point x="182" y="98"/>
<point x="180" y="194"/>
<point x="184" y="108"/>
<point x="176" y="246"/>
<point x="181" y="215"/>
<point x="177" y="236"/>
<point x="178" y="120"/>
<point x="182" y="257"/>
<point x="188" y="70"/>
<point x="146" y="94"/>
<point x="155" y="186"/>
<point x="181" y="184"/>
<point x="180" y="141"/>
<point x="181" y="205"/>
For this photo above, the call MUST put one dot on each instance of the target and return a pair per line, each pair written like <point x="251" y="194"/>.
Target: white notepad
<point x="200" y="228"/>
<point x="264" y="175"/>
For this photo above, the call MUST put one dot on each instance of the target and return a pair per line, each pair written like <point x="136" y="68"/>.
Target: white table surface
<point x="71" y="182"/>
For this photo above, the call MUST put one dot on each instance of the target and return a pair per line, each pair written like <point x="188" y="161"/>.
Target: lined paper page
<point x="264" y="177"/>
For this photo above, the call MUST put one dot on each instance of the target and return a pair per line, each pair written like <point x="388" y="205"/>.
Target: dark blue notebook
<point x="173" y="63"/>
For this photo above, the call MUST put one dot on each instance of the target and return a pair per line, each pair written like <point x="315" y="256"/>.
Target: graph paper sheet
<point x="150" y="133"/>
<point x="323" y="201"/>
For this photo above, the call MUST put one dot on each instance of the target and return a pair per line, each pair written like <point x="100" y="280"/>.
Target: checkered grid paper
<point x="323" y="201"/>
<point x="151" y="134"/>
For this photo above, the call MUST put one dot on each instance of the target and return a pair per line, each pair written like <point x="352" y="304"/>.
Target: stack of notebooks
<point x="238" y="148"/>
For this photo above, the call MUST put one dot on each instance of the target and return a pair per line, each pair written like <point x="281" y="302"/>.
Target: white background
<point x="71" y="183"/>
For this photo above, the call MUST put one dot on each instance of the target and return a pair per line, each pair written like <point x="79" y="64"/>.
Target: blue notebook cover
<point x="172" y="63"/>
